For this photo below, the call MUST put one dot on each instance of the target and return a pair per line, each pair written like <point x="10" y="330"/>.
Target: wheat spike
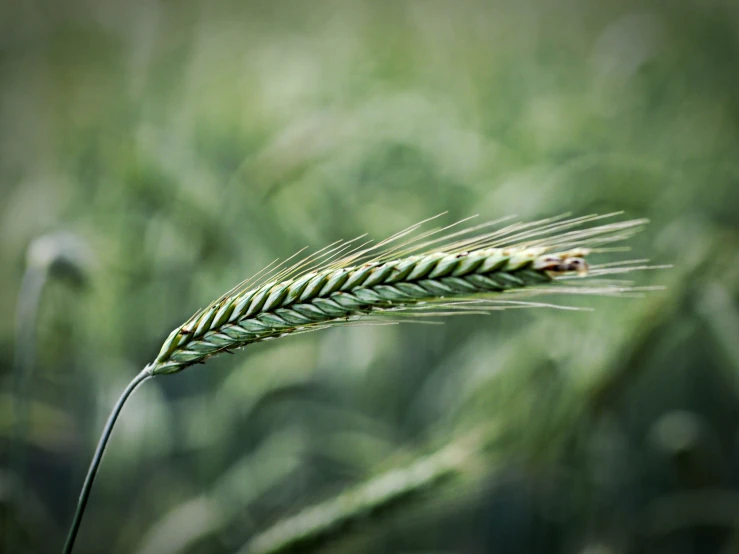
<point x="466" y="275"/>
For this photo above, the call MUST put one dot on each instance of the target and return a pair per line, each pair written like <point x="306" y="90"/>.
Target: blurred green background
<point x="163" y="151"/>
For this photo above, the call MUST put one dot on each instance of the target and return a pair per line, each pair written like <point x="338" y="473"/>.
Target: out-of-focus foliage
<point x="187" y="144"/>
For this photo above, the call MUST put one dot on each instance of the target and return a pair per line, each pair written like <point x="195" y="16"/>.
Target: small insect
<point x="559" y="264"/>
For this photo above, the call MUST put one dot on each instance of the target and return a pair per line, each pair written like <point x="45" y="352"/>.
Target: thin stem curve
<point x="98" y="456"/>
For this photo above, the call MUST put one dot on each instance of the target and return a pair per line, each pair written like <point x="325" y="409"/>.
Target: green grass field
<point x="168" y="150"/>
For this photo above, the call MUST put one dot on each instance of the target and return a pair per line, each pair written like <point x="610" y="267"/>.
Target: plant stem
<point x="98" y="456"/>
<point x="32" y="287"/>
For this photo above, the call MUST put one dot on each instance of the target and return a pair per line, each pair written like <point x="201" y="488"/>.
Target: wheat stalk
<point x="440" y="272"/>
<point x="54" y="256"/>
<point x="378" y="494"/>
<point x="446" y="277"/>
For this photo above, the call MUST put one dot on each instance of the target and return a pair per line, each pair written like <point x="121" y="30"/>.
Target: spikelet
<point x="439" y="272"/>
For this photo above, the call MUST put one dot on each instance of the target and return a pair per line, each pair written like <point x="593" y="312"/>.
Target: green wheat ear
<point x="412" y="274"/>
<point x="394" y="281"/>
